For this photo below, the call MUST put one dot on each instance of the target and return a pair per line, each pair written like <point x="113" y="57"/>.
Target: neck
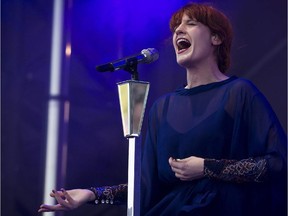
<point x="204" y="75"/>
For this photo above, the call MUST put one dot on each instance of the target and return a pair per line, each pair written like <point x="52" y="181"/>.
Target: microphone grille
<point x="151" y="55"/>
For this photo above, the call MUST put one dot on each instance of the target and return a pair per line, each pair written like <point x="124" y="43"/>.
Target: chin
<point x="183" y="62"/>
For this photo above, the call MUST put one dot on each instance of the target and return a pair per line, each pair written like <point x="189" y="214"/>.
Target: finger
<point x="60" y="200"/>
<point x="52" y="194"/>
<point x="172" y="161"/>
<point x="67" y="196"/>
<point x="176" y="163"/>
<point x="176" y="170"/>
<point x="50" y="208"/>
<point x="184" y="179"/>
<point x="173" y="165"/>
<point x="180" y="176"/>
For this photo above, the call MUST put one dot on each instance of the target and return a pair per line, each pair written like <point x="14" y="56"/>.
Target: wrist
<point x="201" y="166"/>
<point x="91" y="194"/>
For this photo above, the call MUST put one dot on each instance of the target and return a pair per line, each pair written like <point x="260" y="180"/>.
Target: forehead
<point x="186" y="13"/>
<point x="185" y="17"/>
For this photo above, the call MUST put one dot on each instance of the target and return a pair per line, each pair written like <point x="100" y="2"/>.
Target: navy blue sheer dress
<point x="228" y="120"/>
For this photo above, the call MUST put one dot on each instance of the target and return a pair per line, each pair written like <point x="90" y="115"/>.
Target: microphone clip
<point x="131" y="67"/>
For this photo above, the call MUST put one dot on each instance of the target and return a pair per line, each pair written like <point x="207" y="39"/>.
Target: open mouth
<point x="183" y="44"/>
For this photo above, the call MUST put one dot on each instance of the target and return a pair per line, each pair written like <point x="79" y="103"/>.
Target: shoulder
<point x="244" y="90"/>
<point x="244" y="84"/>
<point x="160" y="102"/>
<point x="244" y="87"/>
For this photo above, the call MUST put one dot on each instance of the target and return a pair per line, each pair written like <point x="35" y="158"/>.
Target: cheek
<point x="203" y="42"/>
<point x="201" y="35"/>
<point x="174" y="43"/>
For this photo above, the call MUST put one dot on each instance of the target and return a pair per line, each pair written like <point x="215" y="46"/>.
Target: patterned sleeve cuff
<point x="246" y="170"/>
<point x="109" y="194"/>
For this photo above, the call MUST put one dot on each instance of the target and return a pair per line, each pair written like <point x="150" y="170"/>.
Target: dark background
<point x="104" y="31"/>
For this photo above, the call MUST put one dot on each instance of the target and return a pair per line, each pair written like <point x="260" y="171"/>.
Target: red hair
<point x="218" y="24"/>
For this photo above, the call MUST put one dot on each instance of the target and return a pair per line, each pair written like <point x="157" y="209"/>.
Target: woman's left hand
<point x="187" y="169"/>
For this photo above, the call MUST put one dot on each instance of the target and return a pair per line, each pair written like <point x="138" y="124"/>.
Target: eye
<point x="192" y="23"/>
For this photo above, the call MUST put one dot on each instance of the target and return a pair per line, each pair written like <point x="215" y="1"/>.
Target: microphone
<point x="146" y="56"/>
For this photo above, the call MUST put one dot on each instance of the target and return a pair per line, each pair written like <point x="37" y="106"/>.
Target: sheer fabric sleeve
<point x="267" y="137"/>
<point x="266" y="144"/>
<point x="246" y="170"/>
<point x="151" y="187"/>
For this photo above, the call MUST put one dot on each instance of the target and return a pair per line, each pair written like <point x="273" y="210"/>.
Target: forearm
<point x="109" y="194"/>
<point x="246" y="170"/>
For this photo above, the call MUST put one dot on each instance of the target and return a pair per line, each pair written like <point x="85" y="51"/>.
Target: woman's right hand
<point x="68" y="200"/>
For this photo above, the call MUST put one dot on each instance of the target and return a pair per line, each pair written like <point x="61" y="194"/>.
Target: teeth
<point x="182" y="40"/>
<point x="183" y="43"/>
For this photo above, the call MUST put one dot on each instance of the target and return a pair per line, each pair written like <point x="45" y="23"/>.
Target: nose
<point x="180" y="29"/>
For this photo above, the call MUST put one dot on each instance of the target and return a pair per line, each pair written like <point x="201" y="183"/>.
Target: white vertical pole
<point x="131" y="177"/>
<point x="57" y="108"/>
<point x="53" y="105"/>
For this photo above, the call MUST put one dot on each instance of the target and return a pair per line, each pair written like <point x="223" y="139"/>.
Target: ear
<point x="215" y="40"/>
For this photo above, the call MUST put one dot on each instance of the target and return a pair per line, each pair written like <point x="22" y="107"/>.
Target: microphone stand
<point x="133" y="96"/>
<point x="131" y="67"/>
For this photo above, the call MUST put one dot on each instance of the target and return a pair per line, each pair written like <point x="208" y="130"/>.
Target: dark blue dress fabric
<point x="229" y="119"/>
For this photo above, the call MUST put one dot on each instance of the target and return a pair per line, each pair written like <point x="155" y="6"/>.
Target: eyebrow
<point x="186" y="20"/>
<point x="190" y="19"/>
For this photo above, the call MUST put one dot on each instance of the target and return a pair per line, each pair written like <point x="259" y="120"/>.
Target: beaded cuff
<point x="246" y="170"/>
<point x="110" y="194"/>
